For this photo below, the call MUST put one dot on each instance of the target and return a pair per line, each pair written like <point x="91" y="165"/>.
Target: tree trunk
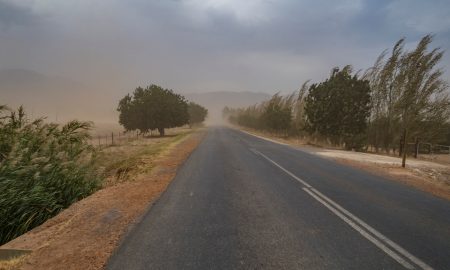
<point x="161" y="132"/>
<point x="404" y="149"/>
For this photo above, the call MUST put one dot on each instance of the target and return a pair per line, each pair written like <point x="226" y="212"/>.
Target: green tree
<point x="277" y="117"/>
<point x="338" y="108"/>
<point x="197" y="113"/>
<point x="153" y="108"/>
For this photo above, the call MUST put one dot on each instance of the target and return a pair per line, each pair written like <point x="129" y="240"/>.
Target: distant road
<point x="240" y="202"/>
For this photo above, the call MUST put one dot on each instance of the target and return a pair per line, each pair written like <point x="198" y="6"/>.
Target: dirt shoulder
<point x="85" y="235"/>
<point x="425" y="175"/>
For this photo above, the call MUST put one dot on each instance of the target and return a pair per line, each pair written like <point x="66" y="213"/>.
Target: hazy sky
<point x="209" y="45"/>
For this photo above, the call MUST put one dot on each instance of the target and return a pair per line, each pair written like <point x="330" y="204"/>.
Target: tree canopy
<point x="402" y="100"/>
<point x="152" y="108"/>
<point x="410" y="97"/>
<point x="197" y="113"/>
<point x="339" y="107"/>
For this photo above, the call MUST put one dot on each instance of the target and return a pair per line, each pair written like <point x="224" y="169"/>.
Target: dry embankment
<point x="85" y="235"/>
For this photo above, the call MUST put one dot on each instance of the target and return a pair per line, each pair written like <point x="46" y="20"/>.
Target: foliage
<point x="44" y="168"/>
<point x="402" y="98"/>
<point x="410" y="97"/>
<point x="338" y="108"/>
<point x="275" y="116"/>
<point x="152" y="108"/>
<point x="197" y="113"/>
<point x="281" y="114"/>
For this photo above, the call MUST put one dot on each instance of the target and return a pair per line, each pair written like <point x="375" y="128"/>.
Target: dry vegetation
<point x="84" y="235"/>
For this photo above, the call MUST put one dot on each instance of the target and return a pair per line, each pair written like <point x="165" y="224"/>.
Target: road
<point x="241" y="202"/>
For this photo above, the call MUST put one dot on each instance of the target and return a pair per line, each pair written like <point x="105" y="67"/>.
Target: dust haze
<point x="76" y="59"/>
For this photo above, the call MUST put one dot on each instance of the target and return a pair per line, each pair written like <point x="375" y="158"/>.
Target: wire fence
<point x="115" y="138"/>
<point x="432" y="149"/>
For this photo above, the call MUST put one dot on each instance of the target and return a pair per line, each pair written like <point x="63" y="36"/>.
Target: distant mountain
<point x="216" y="101"/>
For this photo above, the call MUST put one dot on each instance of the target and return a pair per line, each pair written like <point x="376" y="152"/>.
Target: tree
<point x="197" y="113"/>
<point x="338" y="108"/>
<point x="275" y="116"/>
<point x="153" y="108"/>
<point x="298" y="110"/>
<point x="423" y="96"/>
<point x="411" y="98"/>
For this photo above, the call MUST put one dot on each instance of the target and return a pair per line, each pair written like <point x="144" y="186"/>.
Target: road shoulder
<point x="427" y="176"/>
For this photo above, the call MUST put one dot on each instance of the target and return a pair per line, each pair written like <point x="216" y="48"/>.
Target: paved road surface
<point x="240" y="202"/>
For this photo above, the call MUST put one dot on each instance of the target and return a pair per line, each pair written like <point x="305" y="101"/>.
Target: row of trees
<point x="402" y="98"/>
<point x="156" y="108"/>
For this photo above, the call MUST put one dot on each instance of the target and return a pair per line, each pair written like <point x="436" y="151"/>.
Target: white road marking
<point x="372" y="239"/>
<point x="261" y="137"/>
<point x="363" y="228"/>
<point x="398" y="248"/>
<point x="283" y="169"/>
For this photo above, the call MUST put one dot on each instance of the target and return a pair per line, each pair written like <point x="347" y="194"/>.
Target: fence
<point x="114" y="138"/>
<point x="428" y="148"/>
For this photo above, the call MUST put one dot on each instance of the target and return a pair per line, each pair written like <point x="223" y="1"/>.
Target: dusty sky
<point x="208" y="45"/>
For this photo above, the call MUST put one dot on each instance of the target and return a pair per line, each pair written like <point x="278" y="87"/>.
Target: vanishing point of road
<point x="241" y="202"/>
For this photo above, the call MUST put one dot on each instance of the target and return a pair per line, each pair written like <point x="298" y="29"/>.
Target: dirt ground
<point x="85" y="235"/>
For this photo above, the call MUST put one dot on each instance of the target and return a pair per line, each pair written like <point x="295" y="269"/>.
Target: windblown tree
<point x="277" y="115"/>
<point x="197" y="113"/>
<point x="338" y="108"/>
<point x="410" y="95"/>
<point x="153" y="108"/>
<point x="298" y="125"/>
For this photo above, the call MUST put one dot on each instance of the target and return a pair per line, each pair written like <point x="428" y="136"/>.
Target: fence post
<point x="112" y="138"/>
<point x="416" y="148"/>
<point x="99" y="143"/>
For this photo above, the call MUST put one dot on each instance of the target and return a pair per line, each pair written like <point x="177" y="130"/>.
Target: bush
<point x="44" y="168"/>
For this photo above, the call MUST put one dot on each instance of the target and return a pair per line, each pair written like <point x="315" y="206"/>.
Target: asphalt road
<point x="240" y="202"/>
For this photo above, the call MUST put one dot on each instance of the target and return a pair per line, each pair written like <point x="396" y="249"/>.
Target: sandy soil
<point x="374" y="158"/>
<point x="85" y="235"/>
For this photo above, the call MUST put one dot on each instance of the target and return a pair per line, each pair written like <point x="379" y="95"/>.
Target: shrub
<point x="44" y="168"/>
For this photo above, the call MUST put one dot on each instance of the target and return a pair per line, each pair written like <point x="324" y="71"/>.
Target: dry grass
<point x="122" y="162"/>
<point x="13" y="264"/>
<point x="84" y="235"/>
